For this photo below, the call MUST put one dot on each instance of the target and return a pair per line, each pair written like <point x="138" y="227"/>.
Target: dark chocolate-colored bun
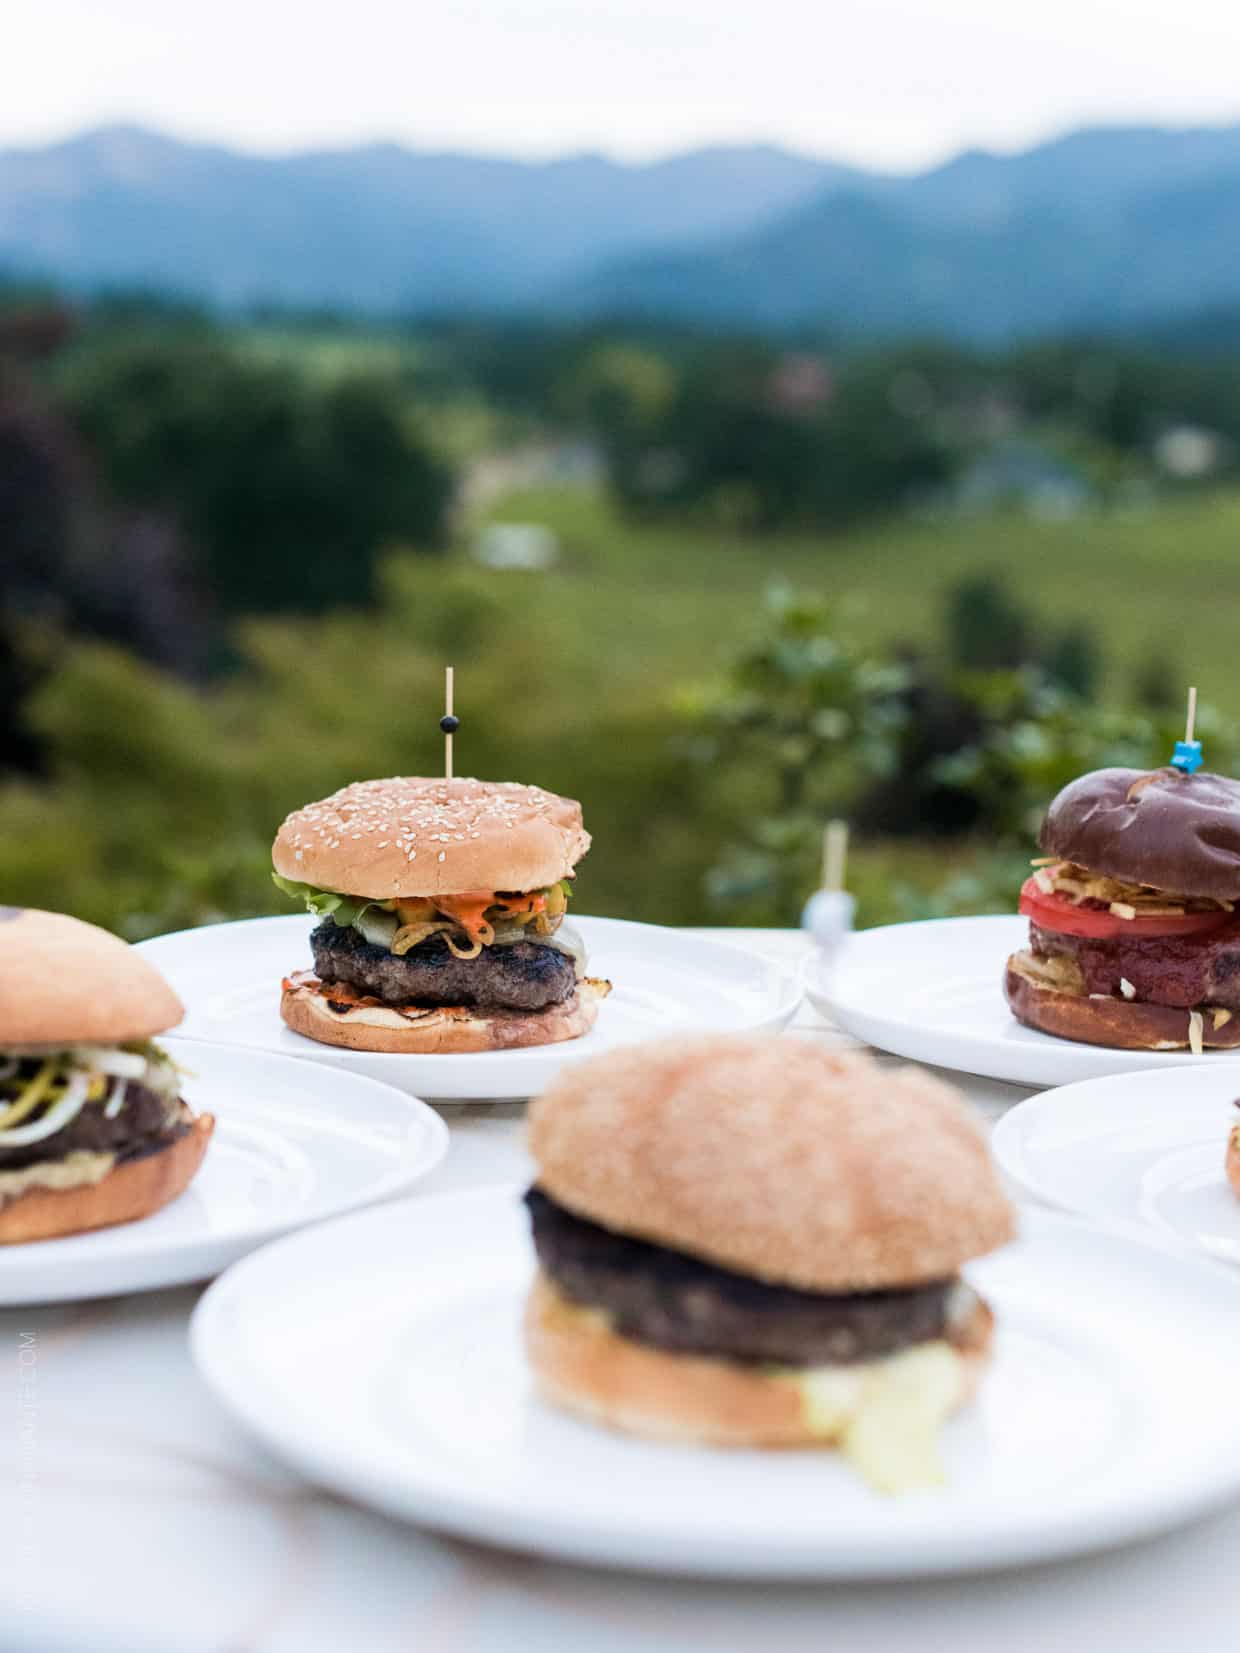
<point x="1121" y="1024"/>
<point x="1177" y="832"/>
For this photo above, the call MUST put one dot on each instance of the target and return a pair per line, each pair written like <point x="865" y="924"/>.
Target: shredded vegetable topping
<point x="42" y="1090"/>
<point x="1123" y="900"/>
<point x="467" y="922"/>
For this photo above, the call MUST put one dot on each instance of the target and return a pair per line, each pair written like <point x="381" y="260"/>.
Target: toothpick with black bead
<point x="449" y="723"/>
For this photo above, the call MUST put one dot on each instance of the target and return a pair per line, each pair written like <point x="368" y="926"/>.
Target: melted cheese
<point x="886" y="1416"/>
<point x="76" y="1170"/>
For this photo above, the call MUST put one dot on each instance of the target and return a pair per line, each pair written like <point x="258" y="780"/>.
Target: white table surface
<point x="135" y="1516"/>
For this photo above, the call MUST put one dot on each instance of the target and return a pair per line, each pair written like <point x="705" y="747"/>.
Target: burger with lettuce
<point x="442" y="905"/>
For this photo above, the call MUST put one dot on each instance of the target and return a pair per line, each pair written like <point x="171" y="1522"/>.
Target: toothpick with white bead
<point x="449" y="722"/>
<point x="828" y="914"/>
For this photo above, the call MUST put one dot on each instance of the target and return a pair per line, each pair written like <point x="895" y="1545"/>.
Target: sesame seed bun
<point x="414" y="835"/>
<point x="64" y="982"/>
<point x="1232" y="1162"/>
<point x="583" y="1366"/>
<point x="308" y="1007"/>
<point x="775" y="1157"/>
<point x="131" y="1190"/>
<point x="1120" y="1024"/>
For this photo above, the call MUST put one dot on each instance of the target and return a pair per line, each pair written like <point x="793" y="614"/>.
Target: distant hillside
<point x="376" y="228"/>
<point x="1102" y="227"/>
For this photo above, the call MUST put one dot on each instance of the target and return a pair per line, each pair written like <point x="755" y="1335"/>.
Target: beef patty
<point x="1181" y="971"/>
<point x="676" y="1302"/>
<point x="138" y="1129"/>
<point x="524" y="976"/>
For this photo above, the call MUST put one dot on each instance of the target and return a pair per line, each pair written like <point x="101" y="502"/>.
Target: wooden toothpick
<point x="834" y="854"/>
<point x="449" y="722"/>
<point x="1191" y="719"/>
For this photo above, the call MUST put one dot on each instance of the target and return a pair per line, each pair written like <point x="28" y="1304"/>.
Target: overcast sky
<point x="893" y="83"/>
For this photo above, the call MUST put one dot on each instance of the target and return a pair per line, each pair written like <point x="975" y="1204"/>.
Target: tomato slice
<point x="1057" y="912"/>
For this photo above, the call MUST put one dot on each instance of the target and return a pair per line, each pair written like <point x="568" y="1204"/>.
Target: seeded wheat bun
<point x="65" y="982"/>
<point x="1160" y="827"/>
<point x="415" y="835"/>
<point x="585" y="1367"/>
<point x="774" y="1157"/>
<point x="131" y="1190"/>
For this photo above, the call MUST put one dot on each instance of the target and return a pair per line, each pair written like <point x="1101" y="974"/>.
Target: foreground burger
<point x="750" y="1241"/>
<point x="1134" y="936"/>
<point x="92" y="1129"/>
<point x="443" y="907"/>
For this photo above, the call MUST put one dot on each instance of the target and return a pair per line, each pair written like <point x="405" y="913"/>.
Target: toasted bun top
<point x="776" y="1157"/>
<point x="65" y="982"/>
<point x="417" y="835"/>
<point x="1177" y="832"/>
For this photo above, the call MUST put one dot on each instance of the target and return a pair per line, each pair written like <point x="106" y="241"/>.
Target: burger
<point x="1232" y="1159"/>
<point x="443" y="916"/>
<point x="93" y="1130"/>
<point x="1134" y="933"/>
<point x="756" y="1242"/>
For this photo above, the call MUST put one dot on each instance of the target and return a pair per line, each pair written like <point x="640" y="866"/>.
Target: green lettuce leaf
<point x="342" y="909"/>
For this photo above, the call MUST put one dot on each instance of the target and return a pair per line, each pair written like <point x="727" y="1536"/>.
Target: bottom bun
<point x="367" y="1024"/>
<point x="1123" y="1024"/>
<point x="135" y="1188"/>
<point x="1233" y="1160"/>
<point x="583" y="1366"/>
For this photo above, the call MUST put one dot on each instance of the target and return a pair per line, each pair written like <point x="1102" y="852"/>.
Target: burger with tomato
<point x="1134" y="910"/>
<point x="442" y="905"/>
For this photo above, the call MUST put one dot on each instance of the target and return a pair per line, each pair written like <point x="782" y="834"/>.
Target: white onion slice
<point x="9" y="1066"/>
<point x="121" y="1064"/>
<point x="116" y="1101"/>
<point x="56" y="1117"/>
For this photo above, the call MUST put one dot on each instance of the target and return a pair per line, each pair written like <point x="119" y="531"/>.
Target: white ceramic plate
<point x="663" y="982"/>
<point x="934" y="991"/>
<point x="292" y="1144"/>
<point x="1143" y="1150"/>
<point x="381" y="1356"/>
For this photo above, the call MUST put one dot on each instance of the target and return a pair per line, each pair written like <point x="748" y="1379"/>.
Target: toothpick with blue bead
<point x="449" y="723"/>
<point x="1187" y="755"/>
<point x="828" y="914"/>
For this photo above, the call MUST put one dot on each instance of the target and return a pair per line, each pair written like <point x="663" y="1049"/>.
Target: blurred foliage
<point x="211" y="609"/>
<point x="921" y="750"/>
<point x="287" y="487"/>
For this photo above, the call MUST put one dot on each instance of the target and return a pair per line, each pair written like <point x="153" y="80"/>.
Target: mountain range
<point x="1106" y="226"/>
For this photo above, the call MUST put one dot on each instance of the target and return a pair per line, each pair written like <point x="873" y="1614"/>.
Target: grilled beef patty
<point x="675" y="1302"/>
<point x="524" y="976"/>
<point x="139" y="1128"/>
<point x="1181" y="971"/>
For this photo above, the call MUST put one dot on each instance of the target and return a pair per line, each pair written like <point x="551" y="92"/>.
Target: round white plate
<point x="381" y="1356"/>
<point x="934" y="991"/>
<point x="1143" y="1150"/>
<point x="292" y="1144"/>
<point x="663" y="982"/>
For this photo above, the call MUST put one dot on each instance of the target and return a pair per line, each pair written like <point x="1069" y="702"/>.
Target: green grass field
<point x="161" y="802"/>
<point x="657" y="603"/>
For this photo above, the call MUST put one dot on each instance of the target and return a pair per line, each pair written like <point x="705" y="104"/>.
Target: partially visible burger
<point x="93" y="1130"/>
<point x="1134" y="934"/>
<point x="748" y="1241"/>
<point x="442" y="905"/>
<point x="1232" y="1160"/>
